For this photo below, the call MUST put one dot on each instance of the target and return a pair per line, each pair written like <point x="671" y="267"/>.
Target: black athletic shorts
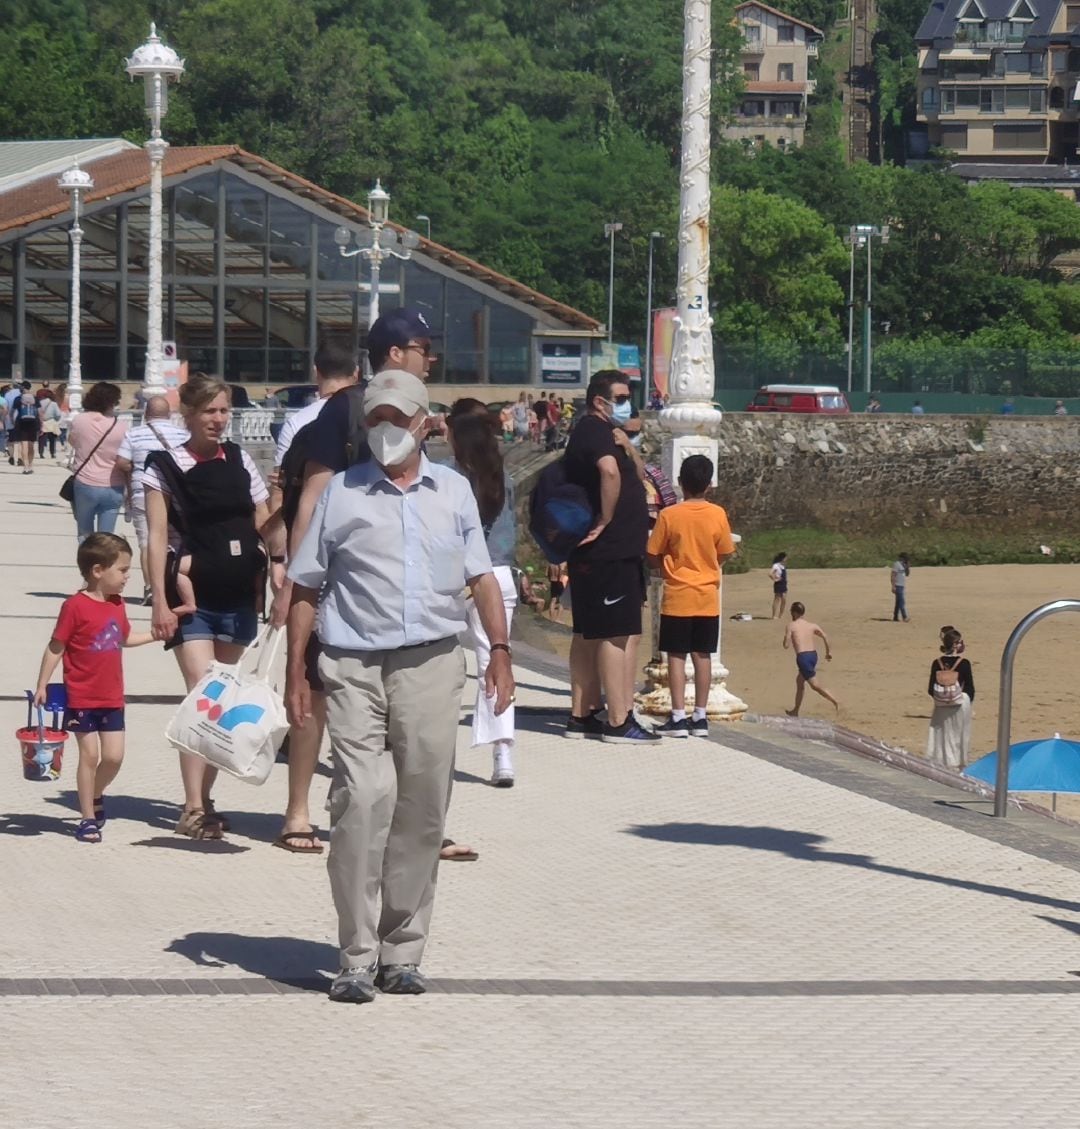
<point x="606" y="597"/>
<point x="26" y="430"/>
<point x="689" y="634"/>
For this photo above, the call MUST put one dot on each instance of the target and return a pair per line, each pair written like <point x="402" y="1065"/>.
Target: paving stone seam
<point x="193" y="987"/>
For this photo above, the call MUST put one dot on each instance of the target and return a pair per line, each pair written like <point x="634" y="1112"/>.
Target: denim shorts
<point x="240" y="625"/>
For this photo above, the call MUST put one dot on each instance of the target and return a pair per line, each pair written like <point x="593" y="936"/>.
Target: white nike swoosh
<point x="608" y="603"/>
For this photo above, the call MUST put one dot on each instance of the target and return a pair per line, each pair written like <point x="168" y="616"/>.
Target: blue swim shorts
<point x="94" y="721"/>
<point x="806" y="661"/>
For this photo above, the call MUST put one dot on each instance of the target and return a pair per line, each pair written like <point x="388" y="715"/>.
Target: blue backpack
<point x="560" y="513"/>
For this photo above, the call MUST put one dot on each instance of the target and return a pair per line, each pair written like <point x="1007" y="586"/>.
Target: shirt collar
<point x="375" y="478"/>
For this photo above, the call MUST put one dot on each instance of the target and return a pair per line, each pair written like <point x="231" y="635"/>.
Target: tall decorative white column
<point x="75" y="182"/>
<point x="690" y="419"/>
<point x="155" y="63"/>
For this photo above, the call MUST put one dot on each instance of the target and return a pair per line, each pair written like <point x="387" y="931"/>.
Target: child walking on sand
<point x="802" y="636"/>
<point x="689" y="544"/>
<point x="90" y="631"/>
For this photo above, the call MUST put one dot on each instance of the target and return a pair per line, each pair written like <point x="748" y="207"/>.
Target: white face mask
<point x="391" y="445"/>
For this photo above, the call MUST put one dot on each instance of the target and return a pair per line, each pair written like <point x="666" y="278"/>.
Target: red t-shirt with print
<point x="93" y="634"/>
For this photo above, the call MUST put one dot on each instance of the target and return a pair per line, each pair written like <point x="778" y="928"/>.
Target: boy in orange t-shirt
<point x="689" y="544"/>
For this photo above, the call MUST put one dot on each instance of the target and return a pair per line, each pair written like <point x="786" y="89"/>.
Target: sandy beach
<point x="880" y="669"/>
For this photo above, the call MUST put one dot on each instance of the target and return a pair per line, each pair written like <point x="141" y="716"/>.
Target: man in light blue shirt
<point x="390" y="550"/>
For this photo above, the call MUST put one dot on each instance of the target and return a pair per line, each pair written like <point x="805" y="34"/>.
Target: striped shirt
<point x="138" y="443"/>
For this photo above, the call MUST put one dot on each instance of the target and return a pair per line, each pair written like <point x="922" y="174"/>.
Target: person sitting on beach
<point x="802" y="635"/>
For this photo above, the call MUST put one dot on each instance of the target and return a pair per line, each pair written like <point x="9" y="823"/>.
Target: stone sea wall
<point x="864" y="473"/>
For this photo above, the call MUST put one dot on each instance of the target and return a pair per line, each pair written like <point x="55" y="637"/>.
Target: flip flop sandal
<point x="88" y="832"/>
<point x="99" y="811"/>
<point x="195" y="824"/>
<point x="457" y="853"/>
<point x="311" y="837"/>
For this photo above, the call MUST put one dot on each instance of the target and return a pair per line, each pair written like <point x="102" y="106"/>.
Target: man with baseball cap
<point x="392" y="545"/>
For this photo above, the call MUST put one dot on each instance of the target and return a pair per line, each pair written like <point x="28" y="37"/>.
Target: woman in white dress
<point x="952" y="689"/>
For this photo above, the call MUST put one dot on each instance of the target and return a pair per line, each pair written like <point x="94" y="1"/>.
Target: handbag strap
<point x="265" y="648"/>
<point x="93" y="450"/>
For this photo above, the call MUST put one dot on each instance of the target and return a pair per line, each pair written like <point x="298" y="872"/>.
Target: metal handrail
<point x="1004" y="734"/>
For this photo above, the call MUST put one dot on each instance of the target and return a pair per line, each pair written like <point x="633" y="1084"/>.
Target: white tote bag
<point x="234" y="718"/>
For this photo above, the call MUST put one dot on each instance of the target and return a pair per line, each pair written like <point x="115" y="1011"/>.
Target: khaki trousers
<point x="393" y="719"/>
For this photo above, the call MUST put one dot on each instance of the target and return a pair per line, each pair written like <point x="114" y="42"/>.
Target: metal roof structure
<point x="118" y="167"/>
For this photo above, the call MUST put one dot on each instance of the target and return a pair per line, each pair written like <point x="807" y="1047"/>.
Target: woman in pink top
<point x="95" y="439"/>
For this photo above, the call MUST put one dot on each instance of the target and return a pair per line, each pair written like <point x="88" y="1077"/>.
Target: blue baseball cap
<point x="397" y="328"/>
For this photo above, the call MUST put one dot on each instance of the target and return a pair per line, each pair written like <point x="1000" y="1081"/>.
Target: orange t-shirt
<point x="689" y="537"/>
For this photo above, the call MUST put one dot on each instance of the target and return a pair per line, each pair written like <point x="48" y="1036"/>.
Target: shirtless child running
<point x="802" y="636"/>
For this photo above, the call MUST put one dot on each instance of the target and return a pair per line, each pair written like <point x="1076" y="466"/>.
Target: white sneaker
<point x="502" y="774"/>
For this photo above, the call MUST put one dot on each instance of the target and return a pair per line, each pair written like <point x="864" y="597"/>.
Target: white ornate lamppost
<point x="75" y="182"/>
<point x="690" y="419"/>
<point x="383" y="244"/>
<point x="156" y="64"/>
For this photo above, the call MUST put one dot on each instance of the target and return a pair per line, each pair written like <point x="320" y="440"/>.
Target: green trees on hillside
<point x="520" y="129"/>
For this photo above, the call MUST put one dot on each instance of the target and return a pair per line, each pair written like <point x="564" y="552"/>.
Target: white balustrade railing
<point x="247" y="426"/>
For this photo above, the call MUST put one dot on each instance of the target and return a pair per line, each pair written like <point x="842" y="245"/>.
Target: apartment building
<point x="776" y="54"/>
<point x="998" y="79"/>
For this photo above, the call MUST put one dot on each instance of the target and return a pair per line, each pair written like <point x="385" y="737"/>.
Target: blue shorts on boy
<point x="806" y="661"/>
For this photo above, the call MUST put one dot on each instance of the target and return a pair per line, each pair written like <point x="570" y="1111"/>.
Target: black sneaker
<point x="400" y="980"/>
<point x="353" y="986"/>
<point x="629" y="733"/>
<point x="699" y="727"/>
<point x="578" y="728"/>
<point x="673" y="728"/>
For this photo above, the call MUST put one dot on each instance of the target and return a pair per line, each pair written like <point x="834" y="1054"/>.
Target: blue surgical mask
<point x="620" y="413"/>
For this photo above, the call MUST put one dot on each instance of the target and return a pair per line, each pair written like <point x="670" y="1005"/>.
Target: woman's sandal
<point x="213" y="815"/>
<point x="196" y="824"/>
<point x="99" y="811"/>
<point x="88" y="831"/>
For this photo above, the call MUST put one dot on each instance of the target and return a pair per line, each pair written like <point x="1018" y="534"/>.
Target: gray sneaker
<point x="400" y="980"/>
<point x="354" y="986"/>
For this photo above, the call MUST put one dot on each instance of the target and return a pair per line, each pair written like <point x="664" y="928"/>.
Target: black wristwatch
<point x="277" y="558"/>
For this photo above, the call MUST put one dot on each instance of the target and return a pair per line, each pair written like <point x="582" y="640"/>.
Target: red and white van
<point x="814" y="399"/>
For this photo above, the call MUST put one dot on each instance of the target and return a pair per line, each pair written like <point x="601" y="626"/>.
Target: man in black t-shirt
<point x="607" y="578"/>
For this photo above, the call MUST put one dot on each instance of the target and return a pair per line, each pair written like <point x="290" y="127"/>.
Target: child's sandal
<point x="88" y="832"/>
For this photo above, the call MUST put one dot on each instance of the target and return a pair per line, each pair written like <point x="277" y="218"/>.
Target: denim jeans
<point x="96" y="508"/>
<point x="900" y="605"/>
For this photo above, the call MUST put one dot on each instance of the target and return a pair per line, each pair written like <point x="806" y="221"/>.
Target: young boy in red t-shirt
<point x="90" y="631"/>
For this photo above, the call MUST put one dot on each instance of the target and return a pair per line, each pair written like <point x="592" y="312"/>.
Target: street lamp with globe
<point x="383" y="246"/>
<point x="76" y="182"/>
<point x="157" y="65"/>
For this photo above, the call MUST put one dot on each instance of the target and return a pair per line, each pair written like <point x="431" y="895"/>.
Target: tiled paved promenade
<point x="726" y="933"/>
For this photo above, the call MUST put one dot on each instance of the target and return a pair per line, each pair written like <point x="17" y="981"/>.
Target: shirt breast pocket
<point x="447" y="564"/>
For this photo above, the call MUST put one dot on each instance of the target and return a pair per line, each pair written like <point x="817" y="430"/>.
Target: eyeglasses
<point x="423" y="350"/>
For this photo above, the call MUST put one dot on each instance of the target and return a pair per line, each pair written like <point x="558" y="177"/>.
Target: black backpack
<point x="300" y="452"/>
<point x="560" y="513"/>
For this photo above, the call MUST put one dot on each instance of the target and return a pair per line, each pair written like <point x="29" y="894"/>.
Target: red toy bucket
<point x="42" y="751"/>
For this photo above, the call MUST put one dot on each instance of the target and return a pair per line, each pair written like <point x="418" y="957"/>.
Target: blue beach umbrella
<point x="1049" y="765"/>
